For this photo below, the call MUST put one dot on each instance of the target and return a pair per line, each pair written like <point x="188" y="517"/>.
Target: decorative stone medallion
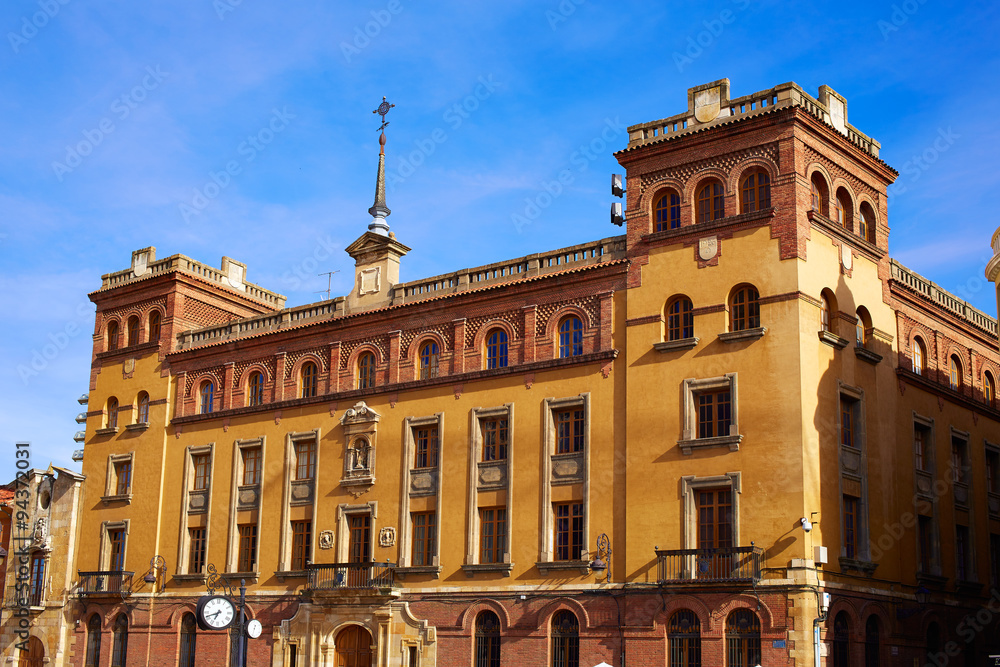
<point x="708" y="247"/>
<point x="326" y="539"/>
<point x="387" y="536"/>
<point x="707" y="104"/>
<point x="846" y="258"/>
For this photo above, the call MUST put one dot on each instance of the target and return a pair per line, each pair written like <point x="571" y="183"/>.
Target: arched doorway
<point x="353" y="645"/>
<point x="35" y="654"/>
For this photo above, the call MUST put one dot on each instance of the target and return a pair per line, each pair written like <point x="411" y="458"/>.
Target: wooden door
<point x="354" y="647"/>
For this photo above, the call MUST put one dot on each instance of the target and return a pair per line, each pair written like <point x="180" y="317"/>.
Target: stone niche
<point x="360" y="425"/>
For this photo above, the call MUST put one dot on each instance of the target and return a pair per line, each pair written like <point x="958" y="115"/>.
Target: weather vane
<point x="382" y="110"/>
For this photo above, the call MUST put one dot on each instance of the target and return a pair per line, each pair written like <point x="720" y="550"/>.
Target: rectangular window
<point x="37" y="580"/>
<point x="850" y="527"/>
<point x="248" y="548"/>
<point x="360" y="545"/>
<point x="959" y="460"/>
<point x="123" y="475"/>
<point x="921" y="440"/>
<point x="962" y="553"/>
<point x="714" y="413"/>
<point x="494" y="439"/>
<point x="196" y="553"/>
<point x="426" y="443"/>
<point x="201" y="466"/>
<point x="301" y="541"/>
<point x="251" y="466"/>
<point x="992" y="471"/>
<point x="925" y="534"/>
<point x="569" y="431"/>
<point x="569" y="530"/>
<point x="424" y="537"/>
<point x="305" y="459"/>
<point x="492" y="534"/>
<point x="850" y="410"/>
<point x="715" y="518"/>
<point x="116" y="543"/>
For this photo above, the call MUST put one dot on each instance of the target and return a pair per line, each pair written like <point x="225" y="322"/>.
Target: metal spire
<point x="379" y="210"/>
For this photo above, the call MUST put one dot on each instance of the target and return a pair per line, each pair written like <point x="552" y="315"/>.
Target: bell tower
<point x="376" y="253"/>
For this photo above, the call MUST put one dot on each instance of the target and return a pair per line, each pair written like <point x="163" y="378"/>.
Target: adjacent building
<point x="694" y="443"/>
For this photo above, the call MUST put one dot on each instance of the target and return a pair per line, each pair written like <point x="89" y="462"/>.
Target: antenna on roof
<point x="329" y="283"/>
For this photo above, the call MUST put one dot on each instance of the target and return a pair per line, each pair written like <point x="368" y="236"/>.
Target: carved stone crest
<point x="846" y="258"/>
<point x="707" y="247"/>
<point x="326" y="539"/>
<point x="387" y="536"/>
<point x="707" y="104"/>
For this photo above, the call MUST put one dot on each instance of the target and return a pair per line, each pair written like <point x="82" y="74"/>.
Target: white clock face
<point x="218" y="612"/>
<point x="254" y="629"/>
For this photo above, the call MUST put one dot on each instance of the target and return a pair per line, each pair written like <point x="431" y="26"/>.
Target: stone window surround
<point x="111" y="482"/>
<point x="862" y="530"/>
<point x="970" y="554"/>
<point x="551" y="406"/>
<point x="472" y="563"/>
<point x="929" y="453"/>
<point x="992" y="497"/>
<point x="690" y="485"/>
<point x="105" y="556"/>
<point x="343" y="538"/>
<point x="690" y="387"/>
<point x="930" y="457"/>
<point x="184" y="539"/>
<point x="291" y="465"/>
<point x="405" y="539"/>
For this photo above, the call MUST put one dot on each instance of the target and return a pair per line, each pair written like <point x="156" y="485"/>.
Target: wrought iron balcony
<point x="709" y="566"/>
<point x="23" y="594"/>
<point x="105" y="582"/>
<point x="350" y="576"/>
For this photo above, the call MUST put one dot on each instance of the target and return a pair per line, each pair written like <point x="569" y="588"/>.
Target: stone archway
<point x="353" y="646"/>
<point x="34" y="656"/>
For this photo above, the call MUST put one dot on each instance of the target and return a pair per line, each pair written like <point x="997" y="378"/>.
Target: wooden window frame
<point x="495" y="426"/>
<point x="248" y="545"/>
<point x="571" y="429"/>
<point x="301" y="531"/>
<point x="367" y="366"/>
<point x="569" y="521"/>
<point x="252" y="458"/>
<point x="711" y="205"/>
<point x="197" y="549"/>
<point x="570" y="337"/>
<point x="755" y="191"/>
<point x="497" y="348"/>
<point x="744" y="308"/>
<point x="495" y="519"/>
<point x="305" y="469"/>
<point x="202" y="477"/>
<point x="428" y="360"/>
<point x="206" y="397"/>
<point x="667" y="211"/>
<point x="423" y="548"/>
<point x="309" y="380"/>
<point x="154" y="325"/>
<point x="255" y="389"/>
<point x="426" y="446"/>
<point x="680" y="318"/>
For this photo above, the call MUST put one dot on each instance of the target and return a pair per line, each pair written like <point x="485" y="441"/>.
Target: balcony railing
<point x="106" y="582"/>
<point x="23" y="594"/>
<point x="351" y="576"/>
<point x="720" y="565"/>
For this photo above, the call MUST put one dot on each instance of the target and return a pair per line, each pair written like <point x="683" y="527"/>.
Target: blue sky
<point x="116" y="115"/>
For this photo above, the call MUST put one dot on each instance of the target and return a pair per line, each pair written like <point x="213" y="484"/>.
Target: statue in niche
<point x="360" y="455"/>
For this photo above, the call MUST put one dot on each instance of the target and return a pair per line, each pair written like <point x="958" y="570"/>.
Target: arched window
<point x="744" y="309"/>
<point x="366" y="370"/>
<point x="844" y="214"/>
<point x="154" y="326"/>
<point x="189" y="640"/>
<point x="919" y="355"/>
<point x="429" y="354"/>
<point x="112" y="331"/>
<point x="93" y="657"/>
<point x="119" y="651"/>
<point x="684" y="635"/>
<point x="989" y="390"/>
<point x="743" y="639"/>
<point x="668" y="211"/>
<point x="680" y="318"/>
<point x="873" y="649"/>
<point x="496" y="349"/>
<point x="862" y="327"/>
<point x="143" y="405"/>
<point x="841" y="641"/>
<point x="487" y="640"/>
<point x="824" y="313"/>
<point x="133" y="330"/>
<point x="309" y="379"/>
<point x="207" y="397"/>
<point x="570" y="337"/>
<point x="755" y="191"/>
<point x="820" y="194"/>
<point x="866" y="225"/>
<point x="112" y="412"/>
<point x="565" y="640"/>
<point x="955" y="373"/>
<point x="711" y="202"/>
<point x="255" y="389"/>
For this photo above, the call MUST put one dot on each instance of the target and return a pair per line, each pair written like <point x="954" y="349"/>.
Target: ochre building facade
<point x="738" y="433"/>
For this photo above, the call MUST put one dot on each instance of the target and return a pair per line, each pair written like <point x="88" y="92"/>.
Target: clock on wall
<point x="254" y="629"/>
<point x="215" y="612"/>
